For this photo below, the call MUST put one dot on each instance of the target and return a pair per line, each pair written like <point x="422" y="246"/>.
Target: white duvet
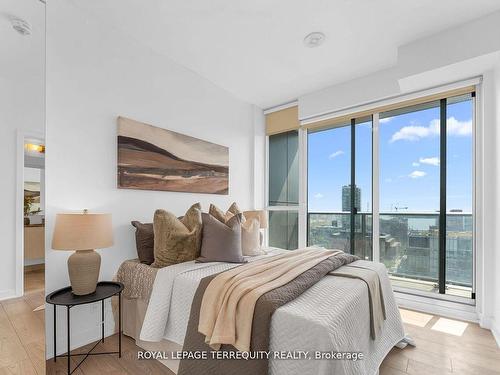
<point x="333" y="315"/>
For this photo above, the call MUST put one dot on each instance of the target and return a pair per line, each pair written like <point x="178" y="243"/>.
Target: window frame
<point x="477" y="178"/>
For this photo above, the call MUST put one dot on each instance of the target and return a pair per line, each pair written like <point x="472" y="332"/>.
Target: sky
<point x="409" y="162"/>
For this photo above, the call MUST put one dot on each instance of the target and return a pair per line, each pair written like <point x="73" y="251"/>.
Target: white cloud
<point x="417" y="174"/>
<point x="385" y="120"/>
<point x="318" y="195"/>
<point x="430" y="161"/>
<point x="417" y="132"/>
<point x="415" y="164"/>
<point x="459" y="128"/>
<point x="335" y="154"/>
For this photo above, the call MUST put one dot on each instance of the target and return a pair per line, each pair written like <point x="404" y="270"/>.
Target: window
<point x="395" y="186"/>
<point x="283" y="190"/>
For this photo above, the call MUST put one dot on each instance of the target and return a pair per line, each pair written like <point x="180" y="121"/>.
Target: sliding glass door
<point x="340" y="187"/>
<point x="424" y="170"/>
<point x="409" y="190"/>
<point x="426" y="237"/>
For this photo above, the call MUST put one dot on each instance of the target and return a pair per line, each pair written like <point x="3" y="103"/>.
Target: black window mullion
<point x="353" y="184"/>
<point x="442" y="199"/>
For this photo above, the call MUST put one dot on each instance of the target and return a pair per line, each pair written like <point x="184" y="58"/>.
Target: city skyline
<point x="408" y="162"/>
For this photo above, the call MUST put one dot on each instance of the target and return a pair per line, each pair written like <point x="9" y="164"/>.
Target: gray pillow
<point x="221" y="242"/>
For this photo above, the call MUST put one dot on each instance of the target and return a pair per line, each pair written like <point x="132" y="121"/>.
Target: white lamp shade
<point x="83" y="231"/>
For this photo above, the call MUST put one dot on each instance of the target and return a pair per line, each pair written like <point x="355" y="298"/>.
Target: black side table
<point x="65" y="297"/>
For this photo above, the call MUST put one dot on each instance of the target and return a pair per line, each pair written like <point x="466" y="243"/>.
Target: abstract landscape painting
<point x="152" y="158"/>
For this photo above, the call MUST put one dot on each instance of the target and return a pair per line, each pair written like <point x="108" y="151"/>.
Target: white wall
<point x="457" y="54"/>
<point x="21" y="109"/>
<point x="95" y="74"/>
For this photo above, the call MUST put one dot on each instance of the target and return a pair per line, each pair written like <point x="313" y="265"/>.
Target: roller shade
<point x="282" y="121"/>
<point x="343" y="119"/>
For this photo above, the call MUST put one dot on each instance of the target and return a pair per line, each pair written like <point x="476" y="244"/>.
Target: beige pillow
<point x="177" y="240"/>
<point x="224" y="217"/>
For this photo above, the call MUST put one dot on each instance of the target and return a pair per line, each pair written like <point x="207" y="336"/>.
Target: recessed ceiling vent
<point x="21" y="26"/>
<point x="314" y="39"/>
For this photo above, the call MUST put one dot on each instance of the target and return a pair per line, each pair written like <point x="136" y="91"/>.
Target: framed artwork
<point x="152" y="158"/>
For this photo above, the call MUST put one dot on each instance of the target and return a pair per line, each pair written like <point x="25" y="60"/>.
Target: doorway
<point x="30" y="252"/>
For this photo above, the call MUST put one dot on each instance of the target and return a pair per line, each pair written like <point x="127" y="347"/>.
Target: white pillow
<point x="250" y="237"/>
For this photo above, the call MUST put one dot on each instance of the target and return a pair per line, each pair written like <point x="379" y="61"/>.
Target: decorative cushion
<point x="250" y="237"/>
<point x="223" y="217"/>
<point x="250" y="230"/>
<point x="144" y="241"/>
<point x="177" y="240"/>
<point x="221" y="241"/>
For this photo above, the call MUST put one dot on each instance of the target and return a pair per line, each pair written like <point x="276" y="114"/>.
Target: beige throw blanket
<point x="375" y="295"/>
<point x="228" y="303"/>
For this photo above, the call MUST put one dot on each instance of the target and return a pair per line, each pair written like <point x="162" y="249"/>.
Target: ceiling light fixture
<point x="314" y="39"/>
<point x="21" y="26"/>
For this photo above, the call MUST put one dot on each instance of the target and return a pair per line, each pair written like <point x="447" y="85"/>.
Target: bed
<point x="332" y="315"/>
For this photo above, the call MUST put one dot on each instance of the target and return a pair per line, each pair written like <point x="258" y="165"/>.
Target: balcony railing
<point x="408" y="242"/>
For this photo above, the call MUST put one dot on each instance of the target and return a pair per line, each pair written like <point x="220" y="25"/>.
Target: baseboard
<point x="34" y="267"/>
<point x="443" y="308"/>
<point x="7" y="294"/>
<point x="34" y="262"/>
<point x="495" y="330"/>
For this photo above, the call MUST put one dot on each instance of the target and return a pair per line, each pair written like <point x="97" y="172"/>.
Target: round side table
<point x="65" y="297"/>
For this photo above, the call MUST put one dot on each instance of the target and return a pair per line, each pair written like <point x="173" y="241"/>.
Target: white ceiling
<point x="253" y="48"/>
<point x="22" y="54"/>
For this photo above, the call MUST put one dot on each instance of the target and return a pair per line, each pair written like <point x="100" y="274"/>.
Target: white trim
<point x="19" y="267"/>
<point x="283" y="208"/>
<point x="281" y="107"/>
<point x="496" y="332"/>
<point x="478" y="286"/>
<point x="375" y="189"/>
<point x="434" y="306"/>
<point x="395" y="99"/>
<point x="7" y="294"/>
<point x="434" y="295"/>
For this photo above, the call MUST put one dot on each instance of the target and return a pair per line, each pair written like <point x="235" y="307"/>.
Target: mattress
<point x="332" y="316"/>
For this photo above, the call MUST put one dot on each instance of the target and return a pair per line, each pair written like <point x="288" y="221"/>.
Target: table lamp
<point x="82" y="233"/>
<point x="258" y="214"/>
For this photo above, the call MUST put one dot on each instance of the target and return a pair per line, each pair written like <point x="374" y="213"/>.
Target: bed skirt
<point x="133" y="313"/>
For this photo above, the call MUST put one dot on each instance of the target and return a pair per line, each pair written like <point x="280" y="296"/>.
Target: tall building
<point x="346" y="198"/>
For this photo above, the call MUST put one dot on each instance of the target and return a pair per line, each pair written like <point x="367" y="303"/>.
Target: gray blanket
<point x="266" y="305"/>
<point x="375" y="294"/>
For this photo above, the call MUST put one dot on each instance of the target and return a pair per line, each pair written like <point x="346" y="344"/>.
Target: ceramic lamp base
<point x="83" y="268"/>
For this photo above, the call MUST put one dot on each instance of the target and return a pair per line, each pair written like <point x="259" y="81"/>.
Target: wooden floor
<point x="465" y="349"/>
<point x="34" y="279"/>
<point x="110" y="364"/>
<point x="22" y="330"/>
<point x="444" y="346"/>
